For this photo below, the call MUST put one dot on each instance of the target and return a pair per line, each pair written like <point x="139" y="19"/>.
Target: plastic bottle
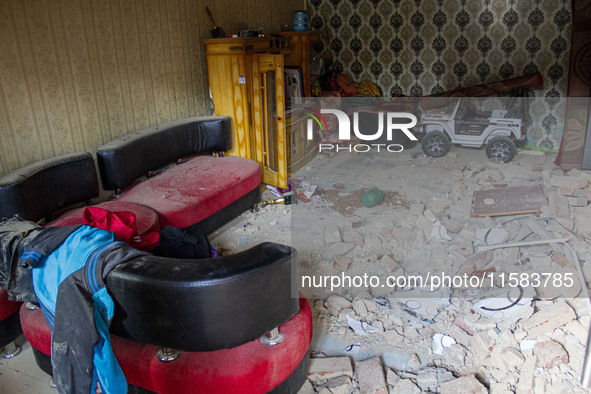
<point x="372" y="197"/>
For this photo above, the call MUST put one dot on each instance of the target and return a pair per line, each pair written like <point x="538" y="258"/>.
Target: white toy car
<point x="459" y="122"/>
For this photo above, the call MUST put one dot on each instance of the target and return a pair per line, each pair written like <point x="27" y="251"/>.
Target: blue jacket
<point x="69" y="266"/>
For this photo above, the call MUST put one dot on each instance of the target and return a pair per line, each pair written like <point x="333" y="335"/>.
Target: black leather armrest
<point x="44" y="187"/>
<point x="204" y="305"/>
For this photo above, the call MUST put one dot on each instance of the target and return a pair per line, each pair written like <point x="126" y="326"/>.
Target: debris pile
<point x="501" y="328"/>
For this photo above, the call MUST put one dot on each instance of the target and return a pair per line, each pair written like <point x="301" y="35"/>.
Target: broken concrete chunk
<point x="550" y="354"/>
<point x="578" y="201"/>
<point x="481" y="345"/>
<point x="439" y="206"/>
<point x="406" y="386"/>
<point x="353" y="237"/>
<point x="335" y="304"/>
<point x="559" y="205"/>
<point x="454" y="355"/>
<point x="324" y="369"/>
<point x="512" y="357"/>
<point x="431" y="378"/>
<point x="465" y="384"/>
<point x="332" y="234"/>
<point x="337" y="249"/>
<point x="340" y="385"/>
<point x="389" y="263"/>
<point x="392" y="377"/>
<point x="583" y="222"/>
<point x="370" y="374"/>
<point x="413" y="362"/>
<point x="548" y="319"/>
<point x="342" y="263"/>
<point x="416" y="209"/>
<point x="307" y="388"/>
<point x="360" y="308"/>
<point x="569" y="182"/>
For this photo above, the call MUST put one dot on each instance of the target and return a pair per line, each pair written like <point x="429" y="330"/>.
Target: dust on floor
<point x="500" y="336"/>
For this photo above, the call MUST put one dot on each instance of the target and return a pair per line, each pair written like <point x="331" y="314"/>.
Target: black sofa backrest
<point x="205" y="304"/>
<point x="125" y="159"/>
<point x="35" y="191"/>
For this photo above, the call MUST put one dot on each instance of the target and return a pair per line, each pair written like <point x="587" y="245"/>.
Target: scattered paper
<point x="441" y="341"/>
<point x="361" y="327"/>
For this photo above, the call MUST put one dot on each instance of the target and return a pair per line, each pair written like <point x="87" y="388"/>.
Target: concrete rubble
<point x="498" y="332"/>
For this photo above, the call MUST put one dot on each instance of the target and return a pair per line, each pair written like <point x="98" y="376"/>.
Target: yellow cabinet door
<point x="269" y="118"/>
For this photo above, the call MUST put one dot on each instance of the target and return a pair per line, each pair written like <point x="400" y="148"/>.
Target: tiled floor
<point x="22" y="375"/>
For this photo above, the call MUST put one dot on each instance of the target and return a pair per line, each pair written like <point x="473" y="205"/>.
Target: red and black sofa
<point x="225" y="325"/>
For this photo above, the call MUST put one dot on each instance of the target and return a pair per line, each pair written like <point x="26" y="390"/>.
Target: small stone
<point x="342" y="263"/>
<point x="497" y="236"/>
<point x="359" y="308"/>
<point x="481" y="345"/>
<point x="465" y="384"/>
<point x="332" y="234"/>
<point x="335" y="304"/>
<point x="439" y="206"/>
<point x="389" y="263"/>
<point x="466" y="248"/>
<point x="357" y="224"/>
<point x="512" y="357"/>
<point x="392" y="377"/>
<point x="353" y="237"/>
<point x="370" y="374"/>
<point x="454" y="355"/>
<point x="413" y="362"/>
<point x="550" y="354"/>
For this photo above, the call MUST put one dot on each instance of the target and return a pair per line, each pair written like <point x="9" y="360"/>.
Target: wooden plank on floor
<point x="508" y="201"/>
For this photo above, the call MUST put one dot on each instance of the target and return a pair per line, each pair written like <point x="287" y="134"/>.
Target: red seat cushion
<point x="147" y="220"/>
<point x="7" y="307"/>
<point x="187" y="193"/>
<point x="249" y="368"/>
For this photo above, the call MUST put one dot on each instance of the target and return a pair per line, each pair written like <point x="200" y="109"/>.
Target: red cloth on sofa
<point x="248" y="369"/>
<point x="122" y="224"/>
<point x="147" y="220"/>
<point x="189" y="192"/>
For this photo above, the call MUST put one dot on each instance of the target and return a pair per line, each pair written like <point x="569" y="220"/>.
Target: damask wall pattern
<point x="77" y="73"/>
<point x="424" y="47"/>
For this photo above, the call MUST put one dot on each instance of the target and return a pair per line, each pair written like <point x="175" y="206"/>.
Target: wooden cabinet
<point x="246" y="80"/>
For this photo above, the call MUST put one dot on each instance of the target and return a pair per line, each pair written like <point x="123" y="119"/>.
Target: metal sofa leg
<point x="11" y="350"/>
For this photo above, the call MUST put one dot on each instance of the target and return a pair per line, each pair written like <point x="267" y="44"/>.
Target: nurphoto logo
<point x="388" y="122"/>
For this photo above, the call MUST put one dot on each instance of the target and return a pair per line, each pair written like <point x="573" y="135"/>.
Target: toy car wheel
<point x="435" y="143"/>
<point x="502" y="148"/>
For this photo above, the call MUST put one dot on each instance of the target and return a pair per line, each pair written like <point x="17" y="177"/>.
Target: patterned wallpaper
<point x="77" y="73"/>
<point x="423" y="47"/>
